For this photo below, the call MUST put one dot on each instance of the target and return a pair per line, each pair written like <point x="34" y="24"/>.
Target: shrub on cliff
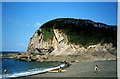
<point x="83" y="32"/>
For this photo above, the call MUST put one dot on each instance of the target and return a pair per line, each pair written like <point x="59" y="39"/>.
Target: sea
<point x="23" y="68"/>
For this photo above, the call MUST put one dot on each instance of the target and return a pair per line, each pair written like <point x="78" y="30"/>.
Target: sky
<point x="20" y="20"/>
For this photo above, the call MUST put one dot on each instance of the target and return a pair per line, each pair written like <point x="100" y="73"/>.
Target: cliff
<point x="71" y="40"/>
<point x="60" y="45"/>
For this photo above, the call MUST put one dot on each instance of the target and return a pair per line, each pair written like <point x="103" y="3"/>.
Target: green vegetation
<point x="48" y="33"/>
<point x="83" y="32"/>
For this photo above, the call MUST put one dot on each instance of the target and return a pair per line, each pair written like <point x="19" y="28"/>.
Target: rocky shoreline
<point x="91" y="53"/>
<point x="69" y="61"/>
<point x="24" y="56"/>
<point x="60" y="49"/>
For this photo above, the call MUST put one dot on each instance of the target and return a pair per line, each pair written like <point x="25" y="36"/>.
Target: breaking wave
<point x="30" y="72"/>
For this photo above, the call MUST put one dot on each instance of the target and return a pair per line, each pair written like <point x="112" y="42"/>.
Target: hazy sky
<point x="20" y="20"/>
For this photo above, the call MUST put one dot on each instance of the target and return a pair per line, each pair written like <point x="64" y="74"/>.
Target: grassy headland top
<point x="81" y="31"/>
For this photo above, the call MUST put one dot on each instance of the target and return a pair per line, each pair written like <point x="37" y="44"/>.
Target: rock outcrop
<point x="38" y="45"/>
<point x="71" y="40"/>
<point x="60" y="46"/>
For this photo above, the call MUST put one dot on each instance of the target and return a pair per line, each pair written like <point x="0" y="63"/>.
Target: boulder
<point x="34" y="58"/>
<point x="76" y="61"/>
<point x="38" y="56"/>
<point x="41" y="60"/>
<point x="23" y="59"/>
<point x="44" y="57"/>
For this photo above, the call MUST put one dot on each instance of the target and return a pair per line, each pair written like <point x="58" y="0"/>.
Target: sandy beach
<point x="107" y="70"/>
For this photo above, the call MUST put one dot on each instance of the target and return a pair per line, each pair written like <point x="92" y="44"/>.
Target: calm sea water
<point x="6" y="52"/>
<point x="22" y="68"/>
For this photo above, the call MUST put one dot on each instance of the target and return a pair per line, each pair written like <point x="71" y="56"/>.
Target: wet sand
<point x="85" y="69"/>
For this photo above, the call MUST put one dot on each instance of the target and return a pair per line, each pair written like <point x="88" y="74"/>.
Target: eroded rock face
<point x="60" y="46"/>
<point x="37" y="43"/>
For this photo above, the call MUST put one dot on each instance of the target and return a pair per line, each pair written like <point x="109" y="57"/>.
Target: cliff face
<point x="57" y="44"/>
<point x="37" y="44"/>
<point x="71" y="40"/>
<point x="60" y="46"/>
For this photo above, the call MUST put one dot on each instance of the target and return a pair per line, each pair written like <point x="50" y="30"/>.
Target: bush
<point x="47" y="34"/>
<point x="83" y="32"/>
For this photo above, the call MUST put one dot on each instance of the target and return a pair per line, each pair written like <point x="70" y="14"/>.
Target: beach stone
<point x="72" y="61"/>
<point x="23" y="59"/>
<point x="17" y="59"/>
<point x="44" y="57"/>
<point x="76" y="61"/>
<point x="23" y="56"/>
<point x="31" y="55"/>
<point x="67" y="64"/>
<point x="38" y="56"/>
<point x="19" y="54"/>
<point x="41" y="60"/>
<point x="29" y="60"/>
<point x="63" y="61"/>
<point x="33" y="59"/>
<point x="113" y="51"/>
